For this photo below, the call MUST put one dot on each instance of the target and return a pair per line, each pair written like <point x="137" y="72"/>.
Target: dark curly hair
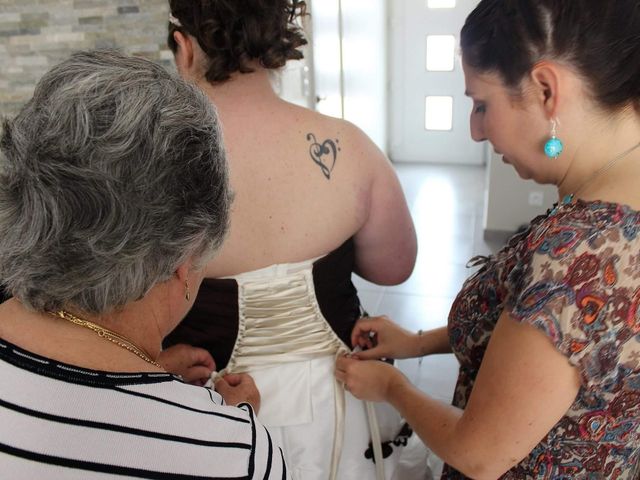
<point x="233" y="33"/>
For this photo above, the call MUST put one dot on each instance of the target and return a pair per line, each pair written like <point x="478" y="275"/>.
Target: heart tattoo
<point x="324" y="154"/>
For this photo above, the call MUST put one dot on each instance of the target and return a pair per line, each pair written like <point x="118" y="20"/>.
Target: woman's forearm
<point x="432" y="342"/>
<point x="381" y="337"/>
<point x="436" y="422"/>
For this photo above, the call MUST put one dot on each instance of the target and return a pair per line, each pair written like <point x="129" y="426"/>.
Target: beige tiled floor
<point x="446" y="204"/>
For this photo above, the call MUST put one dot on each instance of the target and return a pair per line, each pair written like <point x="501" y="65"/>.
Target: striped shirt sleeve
<point x="267" y="461"/>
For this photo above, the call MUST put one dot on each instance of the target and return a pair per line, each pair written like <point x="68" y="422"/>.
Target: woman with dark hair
<point x="113" y="195"/>
<point x="547" y="332"/>
<point x="315" y="200"/>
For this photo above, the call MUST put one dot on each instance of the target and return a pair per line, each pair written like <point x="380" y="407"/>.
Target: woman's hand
<point x="380" y="337"/>
<point x="237" y="389"/>
<point x="368" y="380"/>
<point x="193" y="364"/>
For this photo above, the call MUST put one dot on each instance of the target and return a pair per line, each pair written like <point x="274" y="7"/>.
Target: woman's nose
<point x="477" y="132"/>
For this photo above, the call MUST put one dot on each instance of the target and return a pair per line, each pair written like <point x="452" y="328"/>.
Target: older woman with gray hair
<point x="113" y="195"/>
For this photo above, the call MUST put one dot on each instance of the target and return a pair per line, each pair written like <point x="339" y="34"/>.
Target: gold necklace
<point x="107" y="334"/>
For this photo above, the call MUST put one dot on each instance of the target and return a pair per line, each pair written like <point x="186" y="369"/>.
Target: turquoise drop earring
<point x="553" y="148"/>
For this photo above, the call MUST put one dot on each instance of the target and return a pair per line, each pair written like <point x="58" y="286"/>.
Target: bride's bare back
<point x="304" y="183"/>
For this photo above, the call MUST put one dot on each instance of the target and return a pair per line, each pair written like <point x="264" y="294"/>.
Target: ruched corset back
<point x="278" y="314"/>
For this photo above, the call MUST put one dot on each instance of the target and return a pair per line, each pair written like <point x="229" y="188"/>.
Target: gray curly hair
<point x="111" y="176"/>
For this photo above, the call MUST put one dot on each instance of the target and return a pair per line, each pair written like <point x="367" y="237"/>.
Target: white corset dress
<point x="287" y="345"/>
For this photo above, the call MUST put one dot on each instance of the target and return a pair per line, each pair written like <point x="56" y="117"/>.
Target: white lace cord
<point x="338" y="430"/>
<point x="374" y="430"/>
<point x="338" y="436"/>
<point x="376" y="440"/>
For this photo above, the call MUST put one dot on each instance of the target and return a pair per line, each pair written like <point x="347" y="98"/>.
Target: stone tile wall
<point x="37" y="34"/>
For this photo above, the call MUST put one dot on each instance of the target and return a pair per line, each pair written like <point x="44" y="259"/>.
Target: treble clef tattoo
<point x="324" y="154"/>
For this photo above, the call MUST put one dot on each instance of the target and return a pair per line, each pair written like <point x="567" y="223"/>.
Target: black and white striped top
<point x="62" y="422"/>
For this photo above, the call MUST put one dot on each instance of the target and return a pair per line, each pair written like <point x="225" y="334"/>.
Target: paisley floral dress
<point x="574" y="275"/>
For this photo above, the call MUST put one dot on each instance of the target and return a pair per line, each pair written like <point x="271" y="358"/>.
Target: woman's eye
<point x="479" y="109"/>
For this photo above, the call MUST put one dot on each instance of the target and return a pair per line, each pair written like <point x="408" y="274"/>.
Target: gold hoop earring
<point x="187" y="292"/>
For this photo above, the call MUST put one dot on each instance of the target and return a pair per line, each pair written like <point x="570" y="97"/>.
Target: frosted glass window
<point x="441" y="3"/>
<point x="440" y="53"/>
<point x="438" y="113"/>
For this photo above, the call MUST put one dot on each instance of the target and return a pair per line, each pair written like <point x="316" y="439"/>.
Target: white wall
<point x="508" y="198"/>
<point x="364" y="47"/>
<point x="327" y="56"/>
<point x="293" y="83"/>
<point x="350" y="62"/>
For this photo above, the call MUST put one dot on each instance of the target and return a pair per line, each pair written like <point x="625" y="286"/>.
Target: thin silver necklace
<point x="568" y="198"/>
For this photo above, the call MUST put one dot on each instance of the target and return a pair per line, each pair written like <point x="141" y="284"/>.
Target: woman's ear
<point x="546" y="82"/>
<point x="185" y="55"/>
<point x="182" y="272"/>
